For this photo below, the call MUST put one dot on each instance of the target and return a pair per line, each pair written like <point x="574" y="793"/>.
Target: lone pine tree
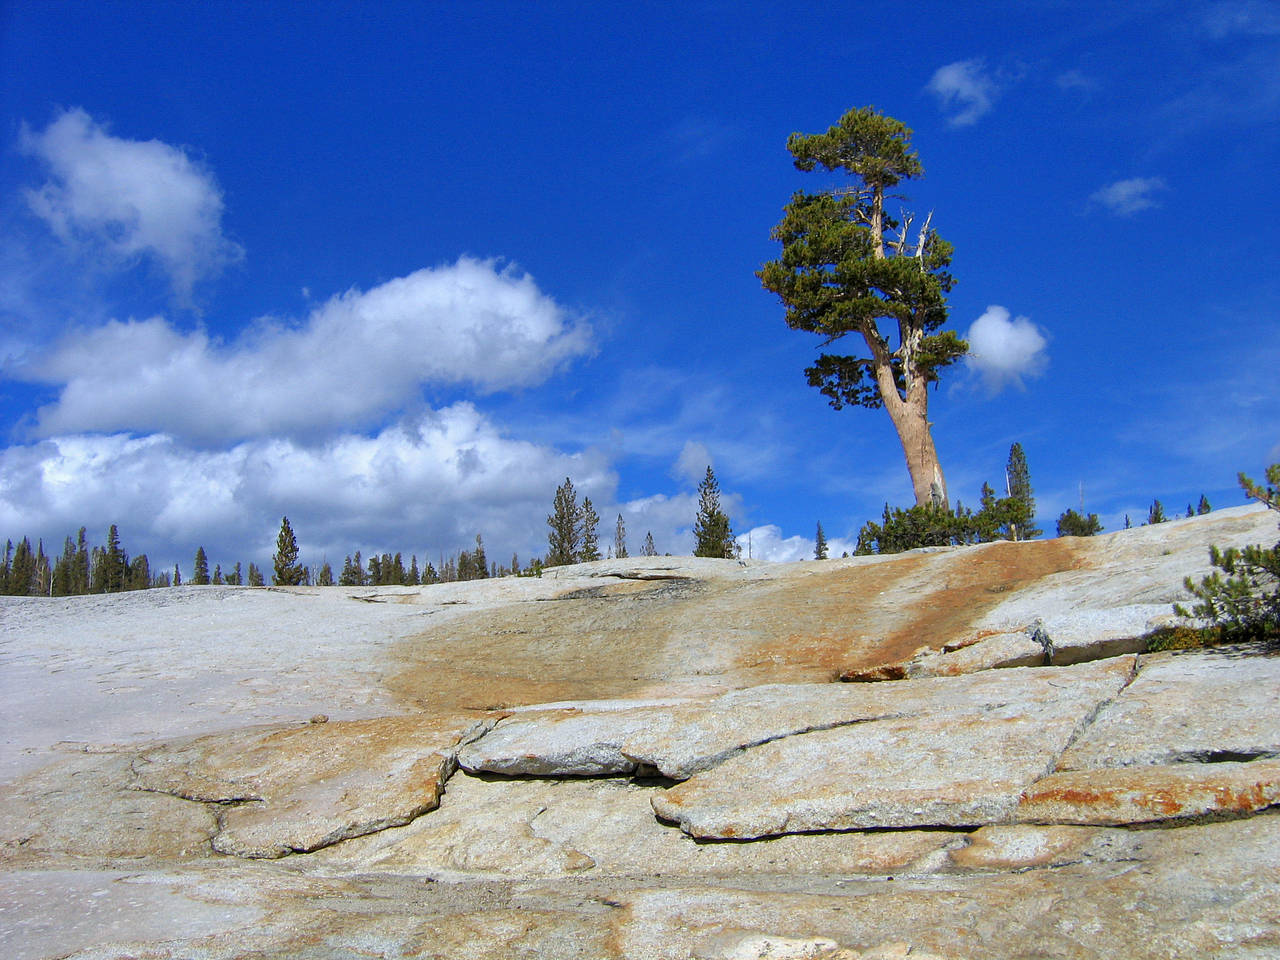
<point x="820" y="544"/>
<point x="1018" y="478"/>
<point x="848" y="267"/>
<point x="711" y="532"/>
<point x="287" y="571"/>
<point x="564" y="539"/>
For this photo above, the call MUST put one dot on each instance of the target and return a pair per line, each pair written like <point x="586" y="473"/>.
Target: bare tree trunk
<point x="911" y="419"/>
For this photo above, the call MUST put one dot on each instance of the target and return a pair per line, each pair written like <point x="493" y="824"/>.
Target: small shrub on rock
<point x="1245" y="603"/>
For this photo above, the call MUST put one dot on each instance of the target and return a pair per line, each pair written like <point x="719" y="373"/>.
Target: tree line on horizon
<point x="573" y="537"/>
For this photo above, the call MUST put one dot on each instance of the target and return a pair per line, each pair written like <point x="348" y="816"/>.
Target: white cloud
<point x="129" y="199"/>
<point x="428" y="485"/>
<point x="966" y="87"/>
<point x="1127" y="197"/>
<point x="357" y="358"/>
<point x="691" y="465"/>
<point x="767" y="543"/>
<point x="1005" y="350"/>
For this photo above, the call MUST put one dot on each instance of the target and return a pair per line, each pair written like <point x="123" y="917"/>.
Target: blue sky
<point x="396" y="270"/>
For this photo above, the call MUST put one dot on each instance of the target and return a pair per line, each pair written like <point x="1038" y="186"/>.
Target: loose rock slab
<point x="1152" y="794"/>
<point x="949" y="768"/>
<point x="1195" y="705"/>
<point x="300" y="788"/>
<point x="681" y="739"/>
<point x="526" y="829"/>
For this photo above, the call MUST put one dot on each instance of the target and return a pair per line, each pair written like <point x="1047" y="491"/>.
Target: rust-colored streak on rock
<point x="870" y="619"/>
<point x="1151" y="794"/>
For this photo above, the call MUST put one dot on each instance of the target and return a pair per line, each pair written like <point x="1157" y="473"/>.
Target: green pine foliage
<point x="820" y="544"/>
<point x="712" y="534"/>
<point x="286" y="570"/>
<point x="647" y="549"/>
<point x="1240" y="600"/>
<point x="200" y="569"/>
<point x="564" y="539"/>
<point x="849" y="269"/>
<point x="619" y="539"/>
<point x="590" y="549"/>
<point x="1156" y="513"/>
<point x="1020" y="524"/>
<point x="1072" y="524"/>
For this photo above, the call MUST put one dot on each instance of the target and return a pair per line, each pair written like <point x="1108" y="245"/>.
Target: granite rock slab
<point x="959" y="767"/>
<point x="302" y="787"/>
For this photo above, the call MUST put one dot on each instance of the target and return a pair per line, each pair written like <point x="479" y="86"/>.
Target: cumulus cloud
<point x="357" y="357"/>
<point x="767" y="543"/>
<point x="1127" y="197"/>
<point x="129" y="199"/>
<point x="427" y="485"/>
<point x="1003" y="350"/>
<point x="966" y="88"/>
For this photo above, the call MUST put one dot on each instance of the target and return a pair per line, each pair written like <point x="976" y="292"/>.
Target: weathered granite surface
<point x="570" y="767"/>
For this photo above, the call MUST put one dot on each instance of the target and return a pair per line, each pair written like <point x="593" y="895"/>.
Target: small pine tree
<point x="177" y="575"/>
<point x="712" y="534"/>
<point x="1019" y="480"/>
<point x="480" y="560"/>
<point x="564" y="541"/>
<point x="200" y="576"/>
<point x="415" y="576"/>
<point x="590" y="549"/>
<point x="820" y="544"/>
<point x="235" y="578"/>
<point x="287" y="572"/>
<point x="255" y="576"/>
<point x="325" y="577"/>
<point x="1245" y="605"/>
<point x="217" y="574"/>
<point x="1203" y="506"/>
<point x="1072" y="524"/>
<point x="1156" y="513"/>
<point x="648" y="549"/>
<point x="620" y="539"/>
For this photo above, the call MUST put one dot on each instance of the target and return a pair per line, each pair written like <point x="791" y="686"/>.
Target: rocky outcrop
<point x="650" y="759"/>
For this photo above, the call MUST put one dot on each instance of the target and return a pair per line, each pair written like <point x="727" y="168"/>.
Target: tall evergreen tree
<point x="415" y="575"/>
<point x="620" y="539"/>
<point x="325" y="577"/>
<point x="255" y="576"/>
<point x="820" y="544"/>
<point x="177" y="576"/>
<point x="564" y="540"/>
<point x="22" y="571"/>
<point x="590" y="549"/>
<point x="711" y="532"/>
<point x="287" y="572"/>
<point x="847" y="267"/>
<point x="140" y="573"/>
<point x="481" y="561"/>
<point x="80" y="575"/>
<point x="112" y="566"/>
<point x="64" y="570"/>
<point x="200" y="569"/>
<point x="235" y="578"/>
<point x="1019" y="479"/>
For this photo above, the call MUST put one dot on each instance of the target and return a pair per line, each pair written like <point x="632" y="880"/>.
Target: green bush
<point x="1245" y="603"/>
